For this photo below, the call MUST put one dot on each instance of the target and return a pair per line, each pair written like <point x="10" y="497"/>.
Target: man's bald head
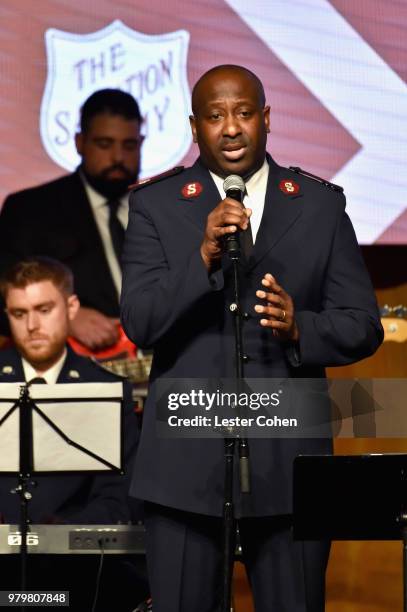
<point x="230" y="120"/>
<point x="224" y="71"/>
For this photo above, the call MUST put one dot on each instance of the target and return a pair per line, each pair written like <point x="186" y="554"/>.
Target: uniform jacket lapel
<point x="71" y="371"/>
<point x="281" y="211"/>
<point x="197" y="208"/>
<point x="11" y="368"/>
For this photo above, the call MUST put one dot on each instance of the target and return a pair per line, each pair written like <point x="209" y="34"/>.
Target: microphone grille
<point x="234" y="181"/>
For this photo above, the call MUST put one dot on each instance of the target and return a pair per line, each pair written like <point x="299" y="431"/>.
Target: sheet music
<point x="80" y="410"/>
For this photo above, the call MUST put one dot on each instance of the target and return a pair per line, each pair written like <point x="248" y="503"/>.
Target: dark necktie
<point x="38" y="380"/>
<point x="116" y="229"/>
<point x="246" y="240"/>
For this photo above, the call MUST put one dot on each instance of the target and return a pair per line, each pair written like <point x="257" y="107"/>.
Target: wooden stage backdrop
<point x="362" y="576"/>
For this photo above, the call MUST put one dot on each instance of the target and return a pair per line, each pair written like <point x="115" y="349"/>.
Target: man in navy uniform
<point x="40" y="306"/>
<point x="307" y="303"/>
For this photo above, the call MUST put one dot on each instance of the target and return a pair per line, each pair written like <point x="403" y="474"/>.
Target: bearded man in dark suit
<point x="80" y="219"/>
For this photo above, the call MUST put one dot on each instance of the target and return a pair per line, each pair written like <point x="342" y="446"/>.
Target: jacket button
<point x="246" y="358"/>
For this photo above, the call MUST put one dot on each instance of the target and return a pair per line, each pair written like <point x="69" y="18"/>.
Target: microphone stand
<point x="229" y="527"/>
<point x="24" y="403"/>
<point x="25" y="462"/>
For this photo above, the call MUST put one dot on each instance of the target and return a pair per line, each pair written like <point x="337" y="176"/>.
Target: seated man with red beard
<point x="40" y="305"/>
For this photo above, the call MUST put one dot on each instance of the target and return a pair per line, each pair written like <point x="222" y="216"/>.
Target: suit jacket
<point x="74" y="498"/>
<point x="56" y="220"/>
<point x="169" y="302"/>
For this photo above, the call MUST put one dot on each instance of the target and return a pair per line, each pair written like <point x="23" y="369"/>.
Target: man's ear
<point x="266" y="114"/>
<point x="73" y="304"/>
<point x="79" y="142"/>
<point x="193" y="127"/>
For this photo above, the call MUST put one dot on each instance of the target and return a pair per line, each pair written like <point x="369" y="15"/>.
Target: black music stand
<point x="44" y="440"/>
<point x="352" y="497"/>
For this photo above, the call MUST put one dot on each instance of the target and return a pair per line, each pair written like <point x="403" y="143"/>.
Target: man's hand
<point x="227" y="218"/>
<point x="278" y="309"/>
<point x="93" y="329"/>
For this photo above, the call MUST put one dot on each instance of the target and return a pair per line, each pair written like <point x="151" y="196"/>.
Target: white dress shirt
<point x="50" y="375"/>
<point x="255" y="196"/>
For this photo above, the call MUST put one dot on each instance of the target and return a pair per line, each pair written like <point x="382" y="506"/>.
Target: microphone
<point x="234" y="188"/>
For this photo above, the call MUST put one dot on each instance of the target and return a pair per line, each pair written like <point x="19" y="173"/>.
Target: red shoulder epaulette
<point x="314" y="177"/>
<point x="155" y="179"/>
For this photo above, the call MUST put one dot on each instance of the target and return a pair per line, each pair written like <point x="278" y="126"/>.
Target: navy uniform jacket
<point x="73" y="498"/>
<point x="56" y="220"/>
<point x="168" y="302"/>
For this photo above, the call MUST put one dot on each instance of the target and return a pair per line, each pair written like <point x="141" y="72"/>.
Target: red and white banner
<point x="334" y="72"/>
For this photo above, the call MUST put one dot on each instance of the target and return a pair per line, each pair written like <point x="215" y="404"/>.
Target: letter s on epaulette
<point x="156" y="178"/>
<point x="314" y="177"/>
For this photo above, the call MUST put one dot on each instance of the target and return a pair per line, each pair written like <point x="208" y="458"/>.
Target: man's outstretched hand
<point x="277" y="309"/>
